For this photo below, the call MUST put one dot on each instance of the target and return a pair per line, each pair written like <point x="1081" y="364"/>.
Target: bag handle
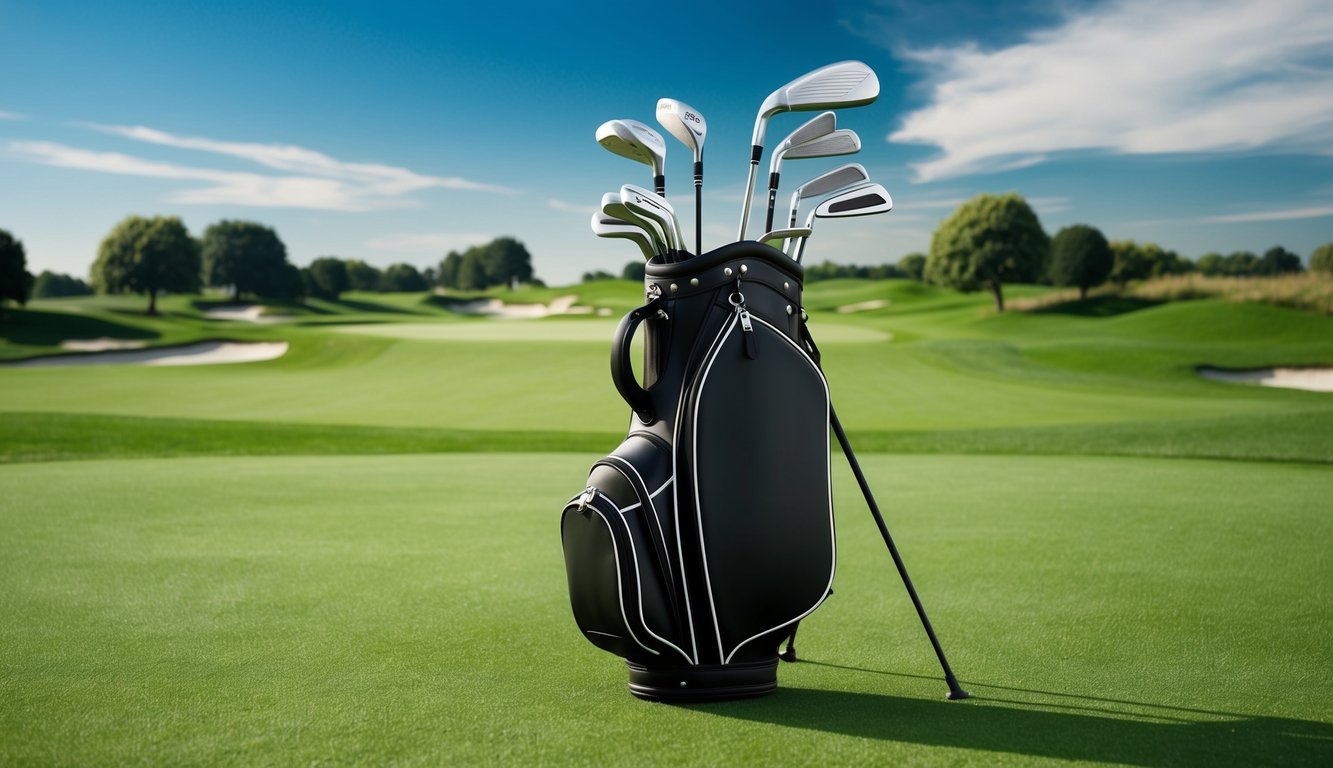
<point x="622" y="371"/>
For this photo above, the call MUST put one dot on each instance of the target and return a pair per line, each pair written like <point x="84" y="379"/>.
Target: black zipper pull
<point x="747" y="326"/>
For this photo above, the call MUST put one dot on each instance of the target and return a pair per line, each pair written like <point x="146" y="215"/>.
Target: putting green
<point x="412" y="609"/>
<point x="558" y="330"/>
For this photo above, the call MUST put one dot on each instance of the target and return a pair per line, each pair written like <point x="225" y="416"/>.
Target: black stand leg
<point x="790" y="653"/>
<point x="955" y="690"/>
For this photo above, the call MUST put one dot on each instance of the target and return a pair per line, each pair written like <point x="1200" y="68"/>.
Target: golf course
<point x="349" y="552"/>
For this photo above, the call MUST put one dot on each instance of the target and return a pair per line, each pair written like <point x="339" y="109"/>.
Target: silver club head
<point x="843" y="141"/>
<point x="777" y="236"/>
<point x="607" y="226"/>
<point x="652" y="207"/>
<point x="863" y="200"/>
<point x="820" y="125"/>
<point x="844" y="84"/>
<point x="638" y="142"/>
<point x="839" y="178"/>
<point x="684" y="122"/>
<point x="614" y="208"/>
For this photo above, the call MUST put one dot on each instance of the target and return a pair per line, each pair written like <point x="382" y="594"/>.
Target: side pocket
<point x="621" y="589"/>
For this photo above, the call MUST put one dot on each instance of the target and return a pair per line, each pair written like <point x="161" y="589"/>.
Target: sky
<point x="396" y="132"/>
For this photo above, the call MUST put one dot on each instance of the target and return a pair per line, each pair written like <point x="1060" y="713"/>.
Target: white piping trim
<point x="619" y="595"/>
<point x="667" y="581"/>
<point x="675" y="496"/>
<point x="829" y="469"/>
<point x="694" y="438"/>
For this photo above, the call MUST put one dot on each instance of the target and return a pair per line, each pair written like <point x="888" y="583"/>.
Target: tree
<point x="147" y="256"/>
<point x="506" y="262"/>
<point x="51" y="285"/>
<point x="362" y="276"/>
<point x="1277" y="260"/>
<point x="448" y="273"/>
<point x="913" y="265"/>
<point x="635" y="270"/>
<point x="403" y="278"/>
<point x="1321" y="260"/>
<point x="326" y="278"/>
<point x="1080" y="256"/>
<point x="598" y="274"/>
<point x="15" y="280"/>
<point x="1210" y="264"/>
<point x="248" y="257"/>
<point x="988" y="240"/>
<point x="471" y="275"/>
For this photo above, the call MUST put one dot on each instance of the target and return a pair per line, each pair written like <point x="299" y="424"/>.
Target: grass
<point x="350" y="554"/>
<point x="1310" y="291"/>
<point x="400" y="609"/>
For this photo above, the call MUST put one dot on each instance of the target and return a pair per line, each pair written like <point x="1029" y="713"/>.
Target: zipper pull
<point x="589" y="494"/>
<point x="751" y="340"/>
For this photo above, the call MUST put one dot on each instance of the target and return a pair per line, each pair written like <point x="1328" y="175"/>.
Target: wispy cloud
<point x="432" y="242"/>
<point x="1134" y="77"/>
<point x="12" y="115"/>
<point x="568" y="207"/>
<point x="1316" y="212"/>
<point x="309" y="179"/>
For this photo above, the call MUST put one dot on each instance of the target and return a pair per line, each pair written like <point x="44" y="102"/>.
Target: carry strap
<point x="622" y="370"/>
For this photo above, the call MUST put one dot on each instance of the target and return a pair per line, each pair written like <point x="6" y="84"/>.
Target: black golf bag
<point x="702" y="540"/>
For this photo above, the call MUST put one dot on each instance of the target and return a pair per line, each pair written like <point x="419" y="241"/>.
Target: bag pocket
<point x="618" y="562"/>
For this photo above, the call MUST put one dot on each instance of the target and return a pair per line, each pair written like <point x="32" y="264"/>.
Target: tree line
<point x="156" y="255"/>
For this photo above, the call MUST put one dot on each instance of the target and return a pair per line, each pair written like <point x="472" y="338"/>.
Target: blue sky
<point x="398" y="131"/>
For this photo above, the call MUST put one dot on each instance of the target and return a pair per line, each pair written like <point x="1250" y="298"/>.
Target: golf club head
<point x="779" y="235"/>
<point x="649" y="206"/>
<point x="638" y="142"/>
<point x="684" y="122"/>
<point x="821" y="125"/>
<point x="842" y="84"/>
<point x="839" y="178"/>
<point x="614" y="208"/>
<point x="607" y="226"/>
<point x="861" y="200"/>
<point x="843" y="141"/>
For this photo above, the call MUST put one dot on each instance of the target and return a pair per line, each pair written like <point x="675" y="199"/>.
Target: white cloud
<point x="1133" y="77"/>
<point x="568" y="207"/>
<point x="1293" y="214"/>
<point x="427" y="242"/>
<point x="309" y="179"/>
<point x="12" y="115"/>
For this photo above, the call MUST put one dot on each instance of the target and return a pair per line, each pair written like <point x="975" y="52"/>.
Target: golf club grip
<point x="622" y="370"/>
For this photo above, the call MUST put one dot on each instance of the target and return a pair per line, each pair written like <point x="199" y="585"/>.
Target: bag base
<point x="703" y="683"/>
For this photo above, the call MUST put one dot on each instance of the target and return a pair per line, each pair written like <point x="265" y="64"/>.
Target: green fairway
<point x="412" y="609"/>
<point x="350" y="554"/>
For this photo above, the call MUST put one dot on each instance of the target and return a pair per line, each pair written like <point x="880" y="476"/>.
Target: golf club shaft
<point x="772" y="200"/>
<point x="756" y="152"/>
<point x="955" y="690"/>
<point x="698" y="207"/>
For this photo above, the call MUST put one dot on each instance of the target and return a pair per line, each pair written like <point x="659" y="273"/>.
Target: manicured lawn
<point x="412" y="609"/>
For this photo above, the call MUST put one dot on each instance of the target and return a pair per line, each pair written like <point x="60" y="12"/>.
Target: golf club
<point x="820" y="125"/>
<point x="606" y="226"/>
<point x="839" y="178"/>
<point x="638" y="142"/>
<point x="843" y="84"/>
<point x="840" y="142"/>
<point x="864" y="200"/>
<point x="651" y="207"/>
<point x="779" y="235"/>
<point x="614" y="208"/>
<point x="689" y="127"/>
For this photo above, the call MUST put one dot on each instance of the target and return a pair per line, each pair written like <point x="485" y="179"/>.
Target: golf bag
<point x="700" y="542"/>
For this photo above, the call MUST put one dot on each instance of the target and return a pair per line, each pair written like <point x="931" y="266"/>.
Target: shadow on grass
<point x="1047" y="724"/>
<point x="1099" y="306"/>
<point x="44" y="329"/>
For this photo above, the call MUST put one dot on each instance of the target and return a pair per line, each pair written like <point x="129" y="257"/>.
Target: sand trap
<point x="1309" y="379"/>
<point x="102" y="344"/>
<point x="253" y="313"/>
<point x="863" y="306"/>
<point x="562" y="305"/>
<point x="203" y="353"/>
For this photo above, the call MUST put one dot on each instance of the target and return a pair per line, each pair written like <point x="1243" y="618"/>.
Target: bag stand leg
<point x="955" y="691"/>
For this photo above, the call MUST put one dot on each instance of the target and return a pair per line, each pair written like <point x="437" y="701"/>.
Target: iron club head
<point x="839" y="178"/>
<point x="651" y="207"/>
<point x="638" y="142"/>
<point x="613" y="207"/>
<point x="607" y="226"/>
<point x="862" y="200"/>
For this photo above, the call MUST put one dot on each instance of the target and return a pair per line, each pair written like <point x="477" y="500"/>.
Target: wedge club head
<point x="779" y="236"/>
<point x="863" y="200"/>
<point x="638" y="142"/>
<point x="614" y="208"/>
<point x="687" y="124"/>
<point x="651" y="207"/>
<point x="839" y="178"/>
<point x="606" y="226"/>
